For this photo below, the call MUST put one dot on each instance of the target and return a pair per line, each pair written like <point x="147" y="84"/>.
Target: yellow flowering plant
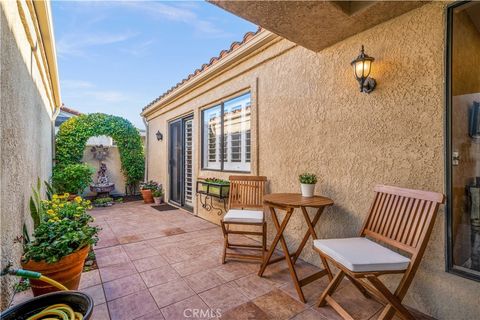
<point x="64" y="229"/>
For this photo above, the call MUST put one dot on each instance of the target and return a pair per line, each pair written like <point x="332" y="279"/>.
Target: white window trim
<point x="228" y="165"/>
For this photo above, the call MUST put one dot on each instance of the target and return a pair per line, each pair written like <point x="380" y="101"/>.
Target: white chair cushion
<point x="362" y="254"/>
<point x="243" y="216"/>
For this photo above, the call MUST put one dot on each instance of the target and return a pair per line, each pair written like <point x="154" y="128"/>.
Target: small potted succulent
<point x="61" y="241"/>
<point x="147" y="189"/>
<point x="158" y="195"/>
<point x="308" y="181"/>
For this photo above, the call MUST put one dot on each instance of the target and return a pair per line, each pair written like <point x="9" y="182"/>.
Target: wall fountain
<point x="103" y="186"/>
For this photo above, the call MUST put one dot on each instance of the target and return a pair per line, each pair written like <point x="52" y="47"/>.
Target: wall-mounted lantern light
<point x="159" y="135"/>
<point x="362" y="66"/>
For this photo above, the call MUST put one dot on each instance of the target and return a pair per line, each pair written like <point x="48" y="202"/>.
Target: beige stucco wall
<point x="311" y="117"/>
<point x="114" y="169"/>
<point x="26" y="148"/>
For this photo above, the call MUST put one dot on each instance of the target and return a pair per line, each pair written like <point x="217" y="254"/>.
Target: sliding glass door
<point x="463" y="139"/>
<point x="181" y="162"/>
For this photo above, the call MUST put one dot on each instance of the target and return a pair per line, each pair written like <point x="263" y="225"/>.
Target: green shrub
<point x="308" y="178"/>
<point x="63" y="230"/>
<point x="74" y="133"/>
<point x="101" y="201"/>
<point x="72" y="178"/>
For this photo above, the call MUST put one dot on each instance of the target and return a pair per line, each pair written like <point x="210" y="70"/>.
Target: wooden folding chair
<point x="245" y="203"/>
<point x="403" y="220"/>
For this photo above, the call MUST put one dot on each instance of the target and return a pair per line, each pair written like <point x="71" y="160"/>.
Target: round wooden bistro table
<point x="289" y="202"/>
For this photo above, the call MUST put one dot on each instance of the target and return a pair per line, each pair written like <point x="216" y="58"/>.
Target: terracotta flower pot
<point x="72" y="196"/>
<point x="67" y="271"/>
<point x="147" y="195"/>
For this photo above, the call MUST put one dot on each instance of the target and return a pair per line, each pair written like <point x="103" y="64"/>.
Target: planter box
<point x="216" y="190"/>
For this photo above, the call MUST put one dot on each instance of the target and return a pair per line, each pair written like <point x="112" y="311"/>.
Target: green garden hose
<point x="37" y="275"/>
<point x="53" y="312"/>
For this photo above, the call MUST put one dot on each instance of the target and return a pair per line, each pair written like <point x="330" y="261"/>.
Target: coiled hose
<point x="58" y="311"/>
<point x="53" y="312"/>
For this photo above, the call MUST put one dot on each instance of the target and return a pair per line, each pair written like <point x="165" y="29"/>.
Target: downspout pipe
<point x="55" y="114"/>
<point x="147" y="135"/>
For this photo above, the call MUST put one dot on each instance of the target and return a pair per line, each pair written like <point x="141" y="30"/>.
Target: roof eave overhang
<point x="45" y="23"/>
<point x="317" y="25"/>
<point x="263" y="38"/>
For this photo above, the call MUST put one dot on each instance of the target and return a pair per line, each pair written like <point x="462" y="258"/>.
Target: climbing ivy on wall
<point x="74" y="133"/>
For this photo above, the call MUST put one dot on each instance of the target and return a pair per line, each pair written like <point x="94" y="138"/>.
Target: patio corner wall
<point x="311" y="116"/>
<point x="25" y="132"/>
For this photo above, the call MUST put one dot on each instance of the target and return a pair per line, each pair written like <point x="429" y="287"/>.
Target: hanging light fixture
<point x="362" y="66"/>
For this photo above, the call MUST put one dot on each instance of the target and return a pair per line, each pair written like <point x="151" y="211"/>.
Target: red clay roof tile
<point x="66" y="109"/>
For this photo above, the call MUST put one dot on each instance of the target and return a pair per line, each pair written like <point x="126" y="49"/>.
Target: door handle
<point x="455" y="158"/>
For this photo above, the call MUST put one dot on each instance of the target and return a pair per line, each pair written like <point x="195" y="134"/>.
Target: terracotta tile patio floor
<point x="167" y="265"/>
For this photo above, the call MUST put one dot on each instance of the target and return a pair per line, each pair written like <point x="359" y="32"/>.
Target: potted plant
<point x="308" y="181"/>
<point x="158" y="195"/>
<point x="147" y="189"/>
<point x="72" y="178"/>
<point x="61" y="242"/>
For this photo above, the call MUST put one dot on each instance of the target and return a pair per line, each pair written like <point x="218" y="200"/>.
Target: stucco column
<point x="147" y="134"/>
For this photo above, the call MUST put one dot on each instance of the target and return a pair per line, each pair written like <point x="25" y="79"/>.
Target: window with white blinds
<point x="226" y="135"/>
<point x="211" y="131"/>
<point x="188" y="160"/>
